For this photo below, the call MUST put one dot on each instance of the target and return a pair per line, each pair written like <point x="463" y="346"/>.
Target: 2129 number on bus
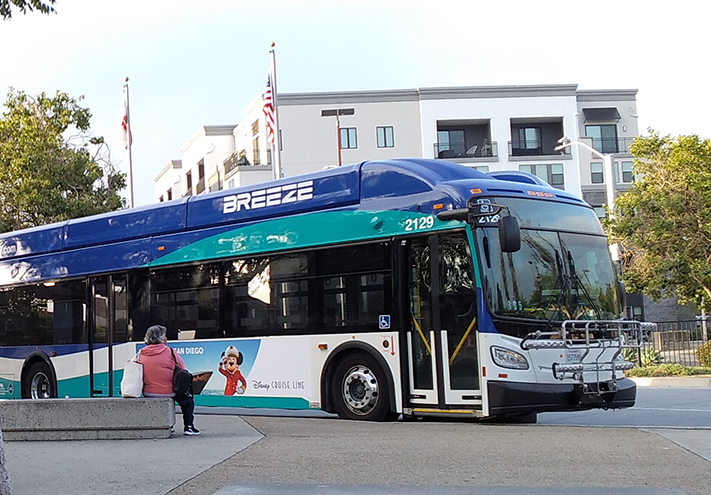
<point x="420" y="223"/>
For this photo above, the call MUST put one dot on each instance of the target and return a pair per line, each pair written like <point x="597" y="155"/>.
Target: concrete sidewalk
<point x="674" y="381"/>
<point x="113" y="467"/>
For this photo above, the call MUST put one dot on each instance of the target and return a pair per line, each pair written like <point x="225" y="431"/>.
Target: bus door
<point x="443" y="362"/>
<point x="108" y="326"/>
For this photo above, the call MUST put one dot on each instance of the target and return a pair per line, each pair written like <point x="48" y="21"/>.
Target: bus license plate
<point x="573" y="355"/>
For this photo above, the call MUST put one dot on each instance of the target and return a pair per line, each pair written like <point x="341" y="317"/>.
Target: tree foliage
<point x="44" y="7"/>
<point x="663" y="222"/>
<point x="51" y="168"/>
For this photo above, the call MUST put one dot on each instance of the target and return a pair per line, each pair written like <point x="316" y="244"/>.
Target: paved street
<point x="315" y="453"/>
<point x="655" y="408"/>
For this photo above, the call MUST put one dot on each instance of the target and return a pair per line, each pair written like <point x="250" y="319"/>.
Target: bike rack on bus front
<point x="581" y="338"/>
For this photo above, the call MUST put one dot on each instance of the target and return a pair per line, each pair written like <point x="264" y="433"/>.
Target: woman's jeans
<point x="187" y="406"/>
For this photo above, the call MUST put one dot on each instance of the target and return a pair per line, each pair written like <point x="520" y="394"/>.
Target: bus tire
<point x="361" y="389"/>
<point x="38" y="382"/>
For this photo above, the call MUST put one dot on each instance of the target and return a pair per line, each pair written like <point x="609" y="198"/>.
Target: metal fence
<point x="677" y="341"/>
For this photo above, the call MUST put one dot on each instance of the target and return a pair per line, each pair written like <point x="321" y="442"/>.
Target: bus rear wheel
<point x="361" y="389"/>
<point x="38" y="383"/>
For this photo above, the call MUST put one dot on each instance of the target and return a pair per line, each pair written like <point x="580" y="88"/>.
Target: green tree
<point x="25" y="5"/>
<point x="51" y="168"/>
<point x="663" y="222"/>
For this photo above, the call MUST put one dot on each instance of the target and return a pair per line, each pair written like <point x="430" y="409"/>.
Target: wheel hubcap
<point x="39" y="388"/>
<point x="360" y="390"/>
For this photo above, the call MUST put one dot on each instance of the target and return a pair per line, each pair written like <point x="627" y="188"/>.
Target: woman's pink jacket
<point x="158" y="368"/>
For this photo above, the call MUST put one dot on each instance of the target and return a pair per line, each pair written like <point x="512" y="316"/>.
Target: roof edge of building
<point x="431" y="93"/>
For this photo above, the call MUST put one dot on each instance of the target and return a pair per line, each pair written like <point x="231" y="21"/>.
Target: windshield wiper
<point x="562" y="287"/>
<point x="577" y="284"/>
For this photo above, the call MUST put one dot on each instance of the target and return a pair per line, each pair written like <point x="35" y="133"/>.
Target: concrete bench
<point x="86" y="419"/>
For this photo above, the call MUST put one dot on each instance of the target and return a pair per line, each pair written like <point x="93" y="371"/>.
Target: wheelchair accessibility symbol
<point x="384" y="322"/>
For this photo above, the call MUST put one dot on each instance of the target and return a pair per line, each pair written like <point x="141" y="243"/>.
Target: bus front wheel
<point x="361" y="389"/>
<point x="38" y="383"/>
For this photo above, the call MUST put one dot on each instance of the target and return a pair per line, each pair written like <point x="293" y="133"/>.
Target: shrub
<point x="703" y="354"/>
<point x="673" y="369"/>
<point x="630" y="355"/>
<point x="650" y="356"/>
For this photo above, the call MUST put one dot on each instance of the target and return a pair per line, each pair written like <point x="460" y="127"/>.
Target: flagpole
<point x="277" y="136"/>
<point x="128" y="141"/>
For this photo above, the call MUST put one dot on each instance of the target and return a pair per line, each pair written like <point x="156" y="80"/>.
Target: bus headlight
<point x="507" y="358"/>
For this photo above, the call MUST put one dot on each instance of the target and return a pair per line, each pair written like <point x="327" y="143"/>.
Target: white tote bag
<point x="132" y="382"/>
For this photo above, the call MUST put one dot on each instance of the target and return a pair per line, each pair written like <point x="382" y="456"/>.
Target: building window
<point x="600" y="212"/>
<point x="634" y="313"/>
<point x="529" y="138"/>
<point x="604" y="137"/>
<point x="169" y="194"/>
<point x="627" y="176"/>
<point x="556" y="175"/>
<point x="482" y="168"/>
<point x="596" y="176"/>
<point x="256" y="159"/>
<point x="549" y="172"/>
<point x="200" y="186"/>
<point x="385" y="137"/>
<point x="255" y="128"/>
<point x="348" y="138"/>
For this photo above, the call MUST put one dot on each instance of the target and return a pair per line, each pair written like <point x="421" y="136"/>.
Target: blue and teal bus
<point x="413" y="286"/>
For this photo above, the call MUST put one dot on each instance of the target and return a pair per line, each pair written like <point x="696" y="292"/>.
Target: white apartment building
<point x="489" y="128"/>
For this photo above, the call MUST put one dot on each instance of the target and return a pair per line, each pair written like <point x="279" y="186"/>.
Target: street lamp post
<point x="337" y="112"/>
<point x="609" y="182"/>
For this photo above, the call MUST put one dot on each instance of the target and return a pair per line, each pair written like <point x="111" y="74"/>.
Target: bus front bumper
<point x="506" y="398"/>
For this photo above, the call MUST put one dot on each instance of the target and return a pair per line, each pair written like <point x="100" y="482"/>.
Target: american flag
<point x="269" y="110"/>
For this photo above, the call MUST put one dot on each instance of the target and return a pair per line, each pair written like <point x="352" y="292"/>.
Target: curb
<point x="673" y="381"/>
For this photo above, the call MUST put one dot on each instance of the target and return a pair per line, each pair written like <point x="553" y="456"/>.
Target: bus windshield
<point x="563" y="270"/>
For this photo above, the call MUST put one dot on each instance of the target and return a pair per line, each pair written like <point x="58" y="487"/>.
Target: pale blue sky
<point x="192" y="63"/>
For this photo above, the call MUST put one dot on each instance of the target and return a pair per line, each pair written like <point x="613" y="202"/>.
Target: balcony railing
<point x="619" y="145"/>
<point x="217" y="186"/>
<point x="533" y="148"/>
<point x="236" y="159"/>
<point x="451" y="150"/>
<point x="200" y="186"/>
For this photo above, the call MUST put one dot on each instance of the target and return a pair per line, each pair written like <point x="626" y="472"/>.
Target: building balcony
<point x="215" y="182"/>
<point x="258" y="156"/>
<point x="200" y="186"/>
<point x="536" y="136"/>
<point x="467" y="150"/>
<point x="236" y="159"/>
<point x="465" y="140"/>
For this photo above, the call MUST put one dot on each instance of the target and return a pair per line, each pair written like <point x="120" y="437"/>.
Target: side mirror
<point x="509" y="234"/>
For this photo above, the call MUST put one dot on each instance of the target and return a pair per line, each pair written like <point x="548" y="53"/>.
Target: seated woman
<point x="158" y="362"/>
